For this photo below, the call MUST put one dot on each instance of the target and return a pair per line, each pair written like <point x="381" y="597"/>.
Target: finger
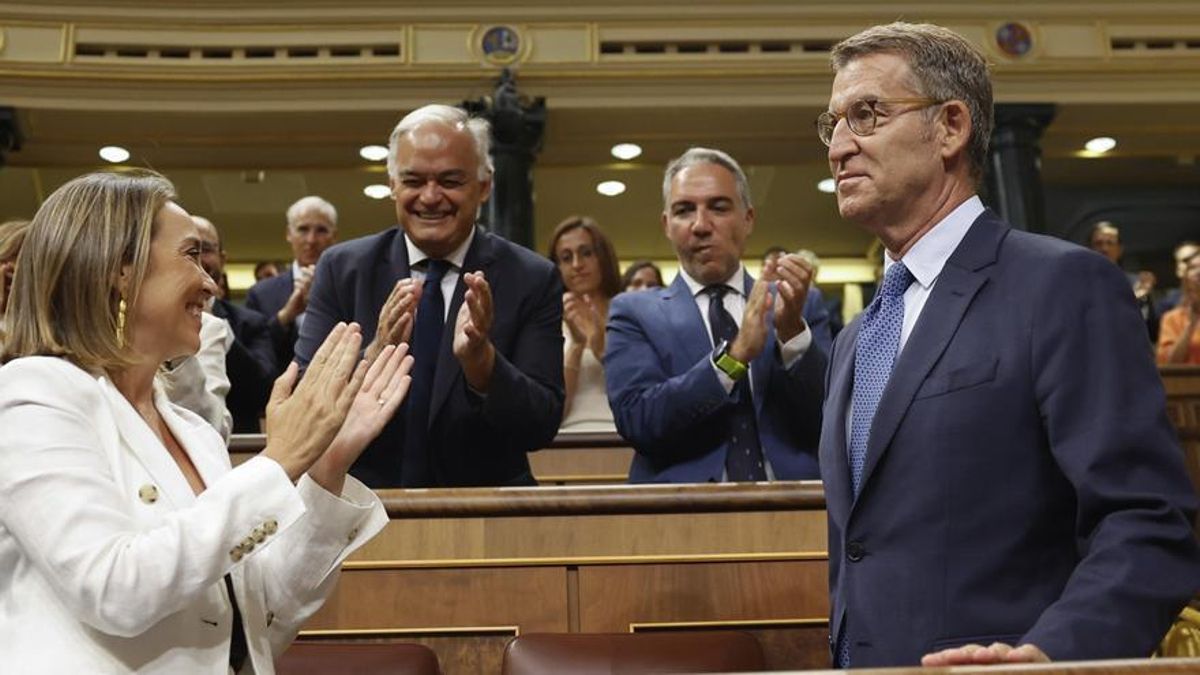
<point x="378" y="370"/>
<point x="404" y="327"/>
<point x="282" y="388"/>
<point x="345" y="398"/>
<point x="338" y="364"/>
<point x="1027" y="653"/>
<point x="397" y="368"/>
<point x="403" y="381"/>
<point x="316" y="368"/>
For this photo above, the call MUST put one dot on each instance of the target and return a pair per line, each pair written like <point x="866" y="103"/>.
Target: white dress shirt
<point x="450" y="280"/>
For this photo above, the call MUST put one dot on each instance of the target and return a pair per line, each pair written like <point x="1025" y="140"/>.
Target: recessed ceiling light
<point x="828" y="186"/>
<point x="373" y="153"/>
<point x="1101" y="144"/>
<point x="610" y="188"/>
<point x="377" y="191"/>
<point x="626" y="151"/>
<point x="114" y="153"/>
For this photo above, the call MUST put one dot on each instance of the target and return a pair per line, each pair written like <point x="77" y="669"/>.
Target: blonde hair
<point x="12" y="233"/>
<point x="66" y="292"/>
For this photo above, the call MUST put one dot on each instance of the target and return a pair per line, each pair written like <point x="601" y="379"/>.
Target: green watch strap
<point x="735" y="369"/>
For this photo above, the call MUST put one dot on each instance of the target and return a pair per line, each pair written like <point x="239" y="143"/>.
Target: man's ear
<point x="954" y="121"/>
<point x="485" y="186"/>
<point x="666" y="230"/>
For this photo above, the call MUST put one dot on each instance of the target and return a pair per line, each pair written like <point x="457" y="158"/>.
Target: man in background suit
<point x="718" y="377"/>
<point x="311" y="228"/>
<point x="484" y="317"/>
<point x="1001" y="478"/>
<point x="250" y="360"/>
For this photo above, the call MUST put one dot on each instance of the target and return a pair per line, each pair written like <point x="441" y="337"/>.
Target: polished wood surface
<point x="1182" y="384"/>
<point x="570" y="459"/>
<point x="1189" y="666"/>
<point x="468" y="567"/>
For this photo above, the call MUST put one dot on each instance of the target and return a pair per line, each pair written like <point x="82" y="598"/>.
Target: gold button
<point x="270" y="618"/>
<point x="258" y="534"/>
<point x="148" y="493"/>
<point x="271" y="526"/>
<point x="248" y="544"/>
<point x="236" y="554"/>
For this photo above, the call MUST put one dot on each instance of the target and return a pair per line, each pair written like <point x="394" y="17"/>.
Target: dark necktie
<point x="426" y="345"/>
<point x="744" y="459"/>
<point x="238" y="651"/>
<point x="874" y="355"/>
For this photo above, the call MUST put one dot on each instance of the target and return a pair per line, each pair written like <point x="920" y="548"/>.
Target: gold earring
<point x="121" y="322"/>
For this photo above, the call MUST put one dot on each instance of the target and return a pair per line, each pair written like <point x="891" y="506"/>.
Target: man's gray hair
<point x="946" y="67"/>
<point x="696" y="156"/>
<point x="309" y="204"/>
<point x="477" y="127"/>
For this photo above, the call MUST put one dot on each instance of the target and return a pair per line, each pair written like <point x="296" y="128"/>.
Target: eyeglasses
<point x="861" y="116"/>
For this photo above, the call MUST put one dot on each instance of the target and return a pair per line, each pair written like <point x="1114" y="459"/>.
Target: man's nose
<point x="430" y="193"/>
<point x="702" y="223"/>
<point x="842" y="143"/>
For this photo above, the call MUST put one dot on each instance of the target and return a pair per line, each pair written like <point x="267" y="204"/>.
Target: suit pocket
<point x="962" y="377"/>
<point x="985" y="640"/>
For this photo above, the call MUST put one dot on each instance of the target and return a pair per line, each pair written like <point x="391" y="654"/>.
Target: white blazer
<point x="111" y="564"/>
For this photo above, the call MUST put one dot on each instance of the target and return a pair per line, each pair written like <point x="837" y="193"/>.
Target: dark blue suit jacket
<point x="669" y="403"/>
<point x="1022" y="481"/>
<point x="477" y="440"/>
<point x="267" y="297"/>
<point x="250" y="364"/>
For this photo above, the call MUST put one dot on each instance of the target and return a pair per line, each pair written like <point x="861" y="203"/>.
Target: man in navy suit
<point x="718" y="376"/>
<point x="250" y="361"/>
<point x="1001" y="478"/>
<point x="484" y="317"/>
<point x="283" y="299"/>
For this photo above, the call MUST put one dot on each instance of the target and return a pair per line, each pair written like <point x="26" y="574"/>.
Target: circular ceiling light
<point x="610" y="188"/>
<point x="1101" y="145"/>
<point x="626" y="151"/>
<point x="828" y="186"/>
<point x="373" y="153"/>
<point x="377" y="191"/>
<point x="114" y="153"/>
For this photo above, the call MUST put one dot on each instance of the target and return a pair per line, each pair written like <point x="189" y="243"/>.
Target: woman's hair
<point x="638" y="266"/>
<point x="12" y="234"/>
<point x="610" y="275"/>
<point x="67" y="289"/>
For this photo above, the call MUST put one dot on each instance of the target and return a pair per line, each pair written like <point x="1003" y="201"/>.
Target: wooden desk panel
<point x="463" y="570"/>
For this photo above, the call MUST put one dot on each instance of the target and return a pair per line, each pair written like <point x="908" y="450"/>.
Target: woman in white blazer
<point x="127" y="542"/>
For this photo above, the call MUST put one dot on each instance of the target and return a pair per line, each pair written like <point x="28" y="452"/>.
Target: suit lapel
<point x="956" y="286"/>
<point x="480" y="256"/>
<point x="833" y="427"/>
<point x="210" y="462"/>
<point x="685" y="324"/>
<point x="141" y="442"/>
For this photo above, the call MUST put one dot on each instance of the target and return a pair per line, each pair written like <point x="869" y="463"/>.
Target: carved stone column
<point x="517" y="126"/>
<point x="1014" y="167"/>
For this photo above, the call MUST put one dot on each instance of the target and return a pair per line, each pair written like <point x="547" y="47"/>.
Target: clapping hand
<point x="793" y="275"/>
<point x="396" y="317"/>
<point x="472" y="345"/>
<point x="584" y="322"/>
<point x="383" y="390"/>
<point x="302" y="423"/>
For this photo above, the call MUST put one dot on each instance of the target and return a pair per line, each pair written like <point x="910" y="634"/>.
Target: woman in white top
<point x="588" y="265"/>
<point x="127" y="541"/>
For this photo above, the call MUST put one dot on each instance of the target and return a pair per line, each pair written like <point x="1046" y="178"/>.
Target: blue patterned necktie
<point x="744" y="458"/>
<point x="426" y="345"/>
<point x="874" y="355"/>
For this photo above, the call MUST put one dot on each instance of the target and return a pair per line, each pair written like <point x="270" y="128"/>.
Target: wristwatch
<point x="735" y="369"/>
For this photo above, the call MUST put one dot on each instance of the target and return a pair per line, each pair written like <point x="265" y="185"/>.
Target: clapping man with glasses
<point x="1001" y="479"/>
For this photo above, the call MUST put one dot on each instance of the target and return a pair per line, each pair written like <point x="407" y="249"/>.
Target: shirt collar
<point x="929" y="254"/>
<point x="737" y="281"/>
<point x="456" y="257"/>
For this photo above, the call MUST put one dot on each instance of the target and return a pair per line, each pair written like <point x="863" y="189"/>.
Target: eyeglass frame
<point x="871" y="103"/>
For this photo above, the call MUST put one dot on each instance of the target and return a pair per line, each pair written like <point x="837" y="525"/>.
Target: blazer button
<point x="248" y="544"/>
<point x="271" y="526"/>
<point x="258" y="534"/>
<point x="148" y="493"/>
<point x="350" y="537"/>
<point x="236" y="554"/>
<point x="855" y="551"/>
